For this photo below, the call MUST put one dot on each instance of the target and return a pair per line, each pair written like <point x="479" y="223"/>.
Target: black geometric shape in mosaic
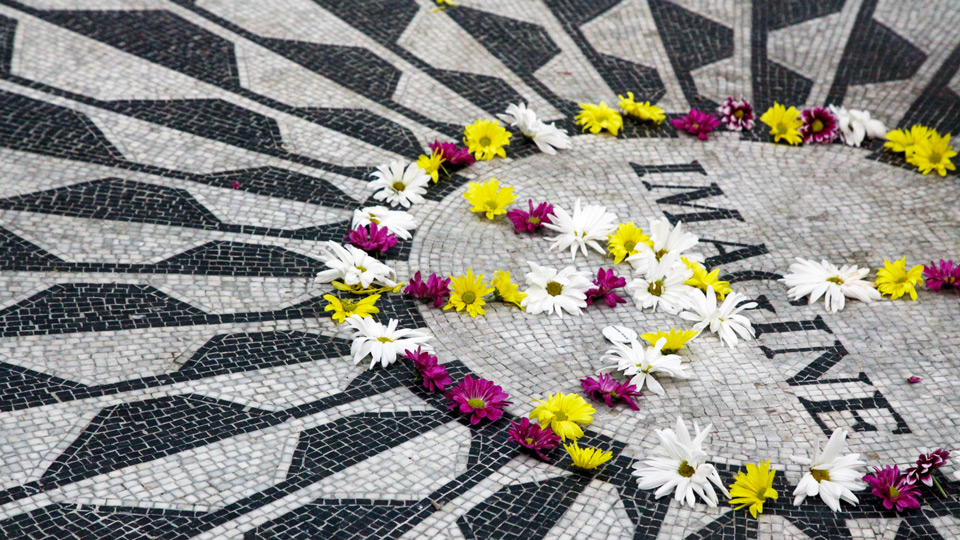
<point x="36" y="126"/>
<point x="783" y="85"/>
<point x="488" y="93"/>
<point x="917" y="527"/>
<point x="730" y="525"/>
<point x="783" y="13"/>
<point x="284" y="184"/>
<point x="8" y="29"/>
<point x="335" y="519"/>
<point x="142" y="431"/>
<point x="64" y="520"/>
<point x="578" y="12"/>
<point x="213" y="119"/>
<point x="817" y="524"/>
<point x="120" y="200"/>
<point x="21" y="387"/>
<point x="624" y="76"/>
<point x="232" y="353"/>
<point x="522" y="46"/>
<point x="158" y="36"/>
<point x="938" y="106"/>
<point x="99" y="307"/>
<point x="19" y="254"/>
<point x="368" y="127"/>
<point x="382" y="20"/>
<point x="332" y="447"/>
<point x="221" y="257"/>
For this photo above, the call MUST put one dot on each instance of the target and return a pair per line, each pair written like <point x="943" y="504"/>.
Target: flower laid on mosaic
<point x="925" y="467"/>
<point x="453" y="154"/>
<point x="856" y="125"/>
<point x="345" y="307"/>
<point x="547" y="137"/>
<point x="945" y="275"/>
<point x="382" y="343"/>
<point x="642" y="110"/>
<point x="664" y="239"/>
<point x="532" y="436"/>
<point x="737" y="114"/>
<point x="397" y="222"/>
<point x="400" y="184"/>
<point x="532" y="220"/>
<point x="235" y="184"/>
<point x="895" y="280"/>
<point x="676" y="339"/>
<point x="597" y="118"/>
<point x="679" y="465"/>
<point x="813" y="279"/>
<point x="913" y="379"/>
<point x="555" y="291"/>
<point x="663" y="286"/>
<point x="587" y="226"/>
<point x="832" y="476"/>
<point x="701" y="279"/>
<point x="604" y="285"/>
<point x="724" y="320"/>
<point x="489" y="198"/>
<point x="505" y="290"/>
<point x="819" y="126"/>
<point x="431" y="164"/>
<point x="784" y="123"/>
<point x="625" y="240"/>
<point x="893" y="489"/>
<point x="610" y="391"/>
<point x="906" y="140"/>
<point x="467" y="292"/>
<point x="486" y="139"/>
<point x="354" y="270"/>
<point x="478" y="398"/>
<point x="587" y="458"/>
<point x="564" y="414"/>
<point x="697" y="122"/>
<point x="753" y="488"/>
<point x="371" y="238"/>
<point x="933" y="153"/>
<point x="436" y="289"/>
<point x="434" y="374"/>
<point x="641" y="363"/>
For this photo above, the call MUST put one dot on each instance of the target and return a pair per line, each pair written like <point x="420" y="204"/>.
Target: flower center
<point x="949" y="280"/>
<point x="835" y="279"/>
<point x="781" y="127"/>
<point x="491" y="205"/>
<point x="817" y="126"/>
<point x="686" y="470"/>
<point x="696" y="126"/>
<point x="485" y="141"/>
<point x="819" y="475"/>
<point x="554" y="288"/>
<point x="656" y="288"/>
<point x="560" y="416"/>
<point x="349" y="305"/>
<point x="528" y="440"/>
<point x="476" y="403"/>
<point x="629" y="245"/>
<point x="399" y="186"/>
<point x="374" y="220"/>
<point x="894" y="492"/>
<point x="384" y="340"/>
<point x="468" y="297"/>
<point x="934" y="158"/>
<point x="738" y="113"/>
<point x="533" y="220"/>
<point x="661" y="253"/>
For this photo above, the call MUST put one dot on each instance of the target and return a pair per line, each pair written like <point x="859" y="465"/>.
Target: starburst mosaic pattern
<point x="172" y="172"/>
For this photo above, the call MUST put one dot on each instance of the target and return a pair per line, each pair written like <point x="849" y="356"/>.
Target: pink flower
<point x="235" y="184"/>
<point x="891" y="486"/>
<point x="610" y="390"/>
<point x="534" y="437"/>
<point x="421" y="359"/>
<point x="926" y="464"/>
<point x="434" y="375"/>
<point x="450" y="152"/>
<point x="697" y="123"/>
<point x="819" y="126"/>
<point x="371" y="238"/>
<point x="534" y="219"/>
<point x="605" y="283"/>
<point x="436" y="289"/>
<point x="946" y="274"/>
<point x="479" y="398"/>
<point x="737" y="114"/>
<point x="913" y="379"/>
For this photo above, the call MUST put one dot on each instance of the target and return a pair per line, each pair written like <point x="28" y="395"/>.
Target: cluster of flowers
<point x="597" y="118"/>
<point x="559" y="418"/>
<point x="924" y="148"/>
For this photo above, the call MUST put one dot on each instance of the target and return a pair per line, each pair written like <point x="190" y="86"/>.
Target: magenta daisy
<point x="421" y="359"/>
<point x="926" y="464"/>
<point x="434" y="375"/>
<point x="737" y="114"/>
<point x="371" y="238"/>
<point x="533" y="220"/>
<point x="946" y="274"/>
<point x="697" y="123"/>
<point x="479" y="398"/>
<point x="534" y="437"/>
<point x="913" y="379"/>
<point x="892" y="487"/>
<point x="607" y="388"/>
<point x="819" y="126"/>
<point x="450" y="153"/>
<point x="436" y="289"/>
<point x="605" y="283"/>
<point x="235" y="184"/>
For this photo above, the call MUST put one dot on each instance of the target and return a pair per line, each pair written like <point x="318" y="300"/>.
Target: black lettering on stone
<point x="854" y="406"/>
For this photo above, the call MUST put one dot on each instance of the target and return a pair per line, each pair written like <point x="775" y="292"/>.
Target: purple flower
<point x="434" y="375"/>
<point x="913" y="379"/>
<point x="611" y="390"/>
<point x="235" y="184"/>
<point x="421" y="359"/>
<point x="436" y="289"/>
<point x="697" y="123"/>
<point x="946" y="274"/>
<point x="605" y="283"/>
<point x="534" y="437"/>
<point x="737" y="114"/>
<point x="371" y="238"/>
<point x="479" y="398"/>
<point x="891" y="486"/>
<point x="534" y="219"/>
<point x="450" y="152"/>
<point x="819" y="126"/>
<point x="926" y="464"/>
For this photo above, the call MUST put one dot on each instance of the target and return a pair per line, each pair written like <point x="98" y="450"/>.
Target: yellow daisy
<point x="905" y="141"/>
<point x="467" y="292"/>
<point x="624" y="241"/>
<point x="643" y="111"/>
<point x="489" y="198"/>
<point x="753" y="489"/>
<point x="344" y="307"/>
<point x="894" y="279"/>
<point x="486" y="139"/>
<point x="933" y="153"/>
<point x="507" y="290"/>
<point x="701" y="279"/>
<point x="784" y="123"/>
<point x="676" y="339"/>
<point x="431" y="164"/>
<point x="599" y="117"/>
<point x="587" y="458"/>
<point x="563" y="413"/>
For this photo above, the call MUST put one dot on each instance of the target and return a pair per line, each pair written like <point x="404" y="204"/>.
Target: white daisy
<point x="552" y="291"/>
<point x="353" y="266"/>
<point x="663" y="286"/>
<point x="855" y="125"/>
<point x="724" y="321"/>
<point x="399" y="186"/>
<point x="830" y="475"/>
<point x="640" y="363"/>
<point x="680" y="465"/>
<point x="808" y="277"/>
<point x="547" y="137"/>
<point x="397" y="222"/>
<point x="584" y="228"/>
<point x="666" y="239"/>
<point x="382" y="343"/>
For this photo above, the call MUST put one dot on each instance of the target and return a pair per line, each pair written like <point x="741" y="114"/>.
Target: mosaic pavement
<point x="166" y="368"/>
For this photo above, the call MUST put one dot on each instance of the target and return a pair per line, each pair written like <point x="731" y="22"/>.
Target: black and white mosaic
<point x="170" y="168"/>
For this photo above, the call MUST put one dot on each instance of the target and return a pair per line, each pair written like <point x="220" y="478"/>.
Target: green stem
<point x="939" y="487"/>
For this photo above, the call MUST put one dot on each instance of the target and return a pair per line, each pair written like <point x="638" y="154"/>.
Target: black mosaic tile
<point x="64" y="521"/>
<point x="8" y="30"/>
